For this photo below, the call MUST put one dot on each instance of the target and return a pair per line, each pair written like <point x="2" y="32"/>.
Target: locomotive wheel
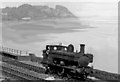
<point x="69" y="76"/>
<point x="49" y="70"/>
<point x="61" y="71"/>
<point x="55" y="62"/>
<point x="84" y="76"/>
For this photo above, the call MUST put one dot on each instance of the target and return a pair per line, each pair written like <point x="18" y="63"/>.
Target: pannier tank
<point x="63" y="61"/>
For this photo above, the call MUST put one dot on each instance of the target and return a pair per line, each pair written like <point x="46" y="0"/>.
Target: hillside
<point x="30" y="12"/>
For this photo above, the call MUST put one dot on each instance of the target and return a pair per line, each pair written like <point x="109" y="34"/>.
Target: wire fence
<point x="13" y="51"/>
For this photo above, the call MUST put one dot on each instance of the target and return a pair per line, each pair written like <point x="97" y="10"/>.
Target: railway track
<point x="38" y="69"/>
<point x="23" y="73"/>
<point x="103" y="76"/>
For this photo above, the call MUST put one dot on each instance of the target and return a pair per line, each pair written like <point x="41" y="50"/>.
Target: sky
<point x="16" y="4"/>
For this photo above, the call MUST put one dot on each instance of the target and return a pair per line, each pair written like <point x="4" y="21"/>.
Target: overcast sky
<point x="18" y="1"/>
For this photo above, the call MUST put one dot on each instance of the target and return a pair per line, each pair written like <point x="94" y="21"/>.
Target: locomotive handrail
<point x="13" y="51"/>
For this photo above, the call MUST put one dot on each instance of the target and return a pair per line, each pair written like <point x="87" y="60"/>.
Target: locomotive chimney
<point x="82" y="47"/>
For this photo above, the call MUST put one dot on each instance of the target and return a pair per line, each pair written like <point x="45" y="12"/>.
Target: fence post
<point x="6" y="49"/>
<point x="0" y="48"/>
<point x="9" y="49"/>
<point x="17" y="52"/>
<point x="20" y="52"/>
<point x="26" y="53"/>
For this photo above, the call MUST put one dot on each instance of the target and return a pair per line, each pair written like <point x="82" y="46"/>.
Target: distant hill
<point x="29" y="12"/>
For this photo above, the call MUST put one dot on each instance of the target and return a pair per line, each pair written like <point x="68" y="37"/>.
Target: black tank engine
<point x="63" y="61"/>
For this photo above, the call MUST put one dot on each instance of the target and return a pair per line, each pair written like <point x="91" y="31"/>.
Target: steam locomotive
<point x="63" y="61"/>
